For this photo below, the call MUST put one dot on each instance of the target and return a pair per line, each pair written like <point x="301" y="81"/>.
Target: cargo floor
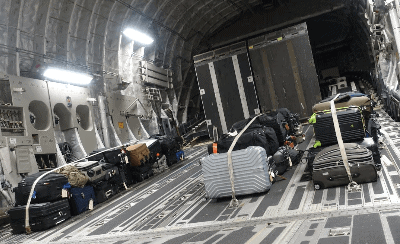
<point x="171" y="208"/>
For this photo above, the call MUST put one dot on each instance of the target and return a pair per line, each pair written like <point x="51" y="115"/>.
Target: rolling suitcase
<point x="142" y="172"/>
<point x="329" y="171"/>
<point x="126" y="174"/>
<point x="264" y="137"/>
<point x="169" y="145"/>
<point x="48" y="189"/>
<point x="350" y="123"/>
<point x="82" y="199"/>
<point x="250" y="169"/>
<point x="345" y="100"/>
<point x="111" y="157"/>
<point x="104" y="190"/>
<point x="138" y="154"/>
<point x="42" y="216"/>
<point x="97" y="171"/>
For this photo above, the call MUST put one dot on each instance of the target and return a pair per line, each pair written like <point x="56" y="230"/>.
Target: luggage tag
<point x="290" y="162"/>
<point x="64" y="193"/>
<point x="90" y="204"/>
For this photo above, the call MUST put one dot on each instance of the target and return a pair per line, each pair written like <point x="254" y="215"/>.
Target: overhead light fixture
<point x="138" y="36"/>
<point x="67" y="76"/>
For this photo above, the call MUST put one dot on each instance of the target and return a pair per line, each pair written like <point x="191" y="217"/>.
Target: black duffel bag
<point x="264" y="137"/>
<point x="275" y="120"/>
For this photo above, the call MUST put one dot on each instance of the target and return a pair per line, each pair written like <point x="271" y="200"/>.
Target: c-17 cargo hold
<point x="238" y="121"/>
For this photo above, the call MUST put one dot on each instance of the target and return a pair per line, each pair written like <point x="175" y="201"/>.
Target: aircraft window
<point x="84" y="117"/>
<point x="39" y="115"/>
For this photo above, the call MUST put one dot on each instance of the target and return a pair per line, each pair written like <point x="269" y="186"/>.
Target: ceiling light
<point x="67" y="76"/>
<point x="138" y="36"/>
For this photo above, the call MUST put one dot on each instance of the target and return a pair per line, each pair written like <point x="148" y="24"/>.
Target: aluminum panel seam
<point x="297" y="79"/>
<point x="270" y="82"/>
<point x="240" y="87"/>
<point x="218" y="98"/>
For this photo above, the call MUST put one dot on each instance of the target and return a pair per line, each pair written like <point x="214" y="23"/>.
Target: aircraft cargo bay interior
<point x="200" y="121"/>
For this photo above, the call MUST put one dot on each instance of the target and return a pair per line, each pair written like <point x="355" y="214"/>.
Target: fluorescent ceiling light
<point x="67" y="76"/>
<point x="138" y="36"/>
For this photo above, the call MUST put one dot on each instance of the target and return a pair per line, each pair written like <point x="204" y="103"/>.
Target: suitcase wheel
<point x="318" y="185"/>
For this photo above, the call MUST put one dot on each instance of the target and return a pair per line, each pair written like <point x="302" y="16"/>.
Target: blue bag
<point x="80" y="198"/>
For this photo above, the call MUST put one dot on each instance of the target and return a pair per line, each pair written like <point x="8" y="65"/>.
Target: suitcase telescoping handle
<point x="353" y="186"/>
<point x="338" y="177"/>
<point x="234" y="202"/>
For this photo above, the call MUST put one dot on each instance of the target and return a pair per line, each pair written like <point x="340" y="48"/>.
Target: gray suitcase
<point x="97" y="170"/>
<point x="250" y="169"/>
<point x="329" y="171"/>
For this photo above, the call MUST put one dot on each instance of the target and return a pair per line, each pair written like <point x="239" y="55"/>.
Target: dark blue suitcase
<point x="80" y="198"/>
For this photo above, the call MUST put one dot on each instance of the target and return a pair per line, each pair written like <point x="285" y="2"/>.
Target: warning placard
<point x="121" y="125"/>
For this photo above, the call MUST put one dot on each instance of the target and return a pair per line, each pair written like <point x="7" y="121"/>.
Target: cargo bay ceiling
<point x="87" y="34"/>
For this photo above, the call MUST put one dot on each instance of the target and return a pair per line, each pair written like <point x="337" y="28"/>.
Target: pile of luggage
<point x="359" y="131"/>
<point x="264" y="151"/>
<point x="74" y="189"/>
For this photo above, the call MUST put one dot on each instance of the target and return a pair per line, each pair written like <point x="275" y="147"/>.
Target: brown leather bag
<point x="138" y="154"/>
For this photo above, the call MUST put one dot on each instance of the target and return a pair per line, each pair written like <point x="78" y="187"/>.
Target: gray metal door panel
<point x="282" y="76"/>
<point x="208" y="97"/>
<point x="248" y="86"/>
<point x="309" y="77"/>
<point x="229" y="91"/>
<point x="263" y="80"/>
<point x="224" y="73"/>
<point x="284" y="70"/>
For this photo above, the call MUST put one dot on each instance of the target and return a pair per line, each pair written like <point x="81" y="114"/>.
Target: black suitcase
<point x="169" y="145"/>
<point x="171" y="158"/>
<point x="329" y="170"/>
<point x="104" y="190"/>
<point x="111" y="157"/>
<point x="350" y="123"/>
<point x="48" y="189"/>
<point x="42" y="216"/>
<point x="126" y="174"/>
<point x="80" y="199"/>
<point x="142" y="172"/>
<point x="258" y="135"/>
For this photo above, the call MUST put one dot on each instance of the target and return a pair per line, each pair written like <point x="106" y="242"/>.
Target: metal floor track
<point x="171" y="208"/>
